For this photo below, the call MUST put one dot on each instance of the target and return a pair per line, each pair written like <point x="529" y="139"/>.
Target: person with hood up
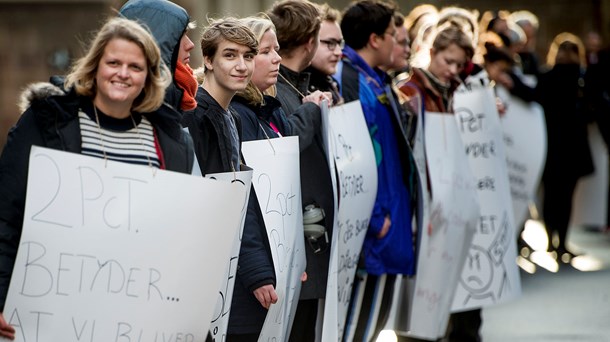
<point x="169" y="24"/>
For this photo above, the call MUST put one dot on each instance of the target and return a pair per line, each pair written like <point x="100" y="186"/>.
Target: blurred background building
<point x="40" y="38"/>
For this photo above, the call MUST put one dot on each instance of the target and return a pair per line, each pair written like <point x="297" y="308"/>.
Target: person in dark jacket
<point x="228" y="49"/>
<point x="169" y="24"/>
<point x="118" y="88"/>
<point x="328" y="54"/>
<point x="262" y="118"/>
<point x="561" y="94"/>
<point x="298" y="24"/>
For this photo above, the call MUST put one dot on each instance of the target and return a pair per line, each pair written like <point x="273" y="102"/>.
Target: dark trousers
<point x="465" y="326"/>
<point x="242" y="338"/>
<point x="557" y="207"/>
<point x="304" y="324"/>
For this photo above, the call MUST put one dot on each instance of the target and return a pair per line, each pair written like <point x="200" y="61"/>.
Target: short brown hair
<point x="230" y="29"/>
<point x="296" y="21"/>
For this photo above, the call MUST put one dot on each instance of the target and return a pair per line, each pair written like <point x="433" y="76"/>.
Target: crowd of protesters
<point x="268" y="76"/>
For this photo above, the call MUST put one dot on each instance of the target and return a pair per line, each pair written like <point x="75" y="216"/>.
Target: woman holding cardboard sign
<point x="110" y="106"/>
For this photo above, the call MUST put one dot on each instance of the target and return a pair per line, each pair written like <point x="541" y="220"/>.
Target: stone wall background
<point x="39" y="38"/>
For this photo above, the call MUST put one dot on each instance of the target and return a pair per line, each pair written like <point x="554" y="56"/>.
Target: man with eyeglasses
<point x="388" y="250"/>
<point x="402" y="49"/>
<point x="328" y="54"/>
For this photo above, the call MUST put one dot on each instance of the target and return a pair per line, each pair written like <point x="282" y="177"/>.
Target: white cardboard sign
<point x="277" y="183"/>
<point x="117" y="252"/>
<point x="453" y="213"/>
<point x="220" y="318"/>
<point x="524" y="130"/>
<point x="490" y="274"/>
<point x="354" y="161"/>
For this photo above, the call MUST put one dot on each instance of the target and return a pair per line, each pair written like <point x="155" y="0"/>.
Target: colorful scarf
<point x="187" y="82"/>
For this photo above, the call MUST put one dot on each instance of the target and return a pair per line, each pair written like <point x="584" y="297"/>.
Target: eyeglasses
<point x="403" y="42"/>
<point x="391" y="33"/>
<point x="332" y="44"/>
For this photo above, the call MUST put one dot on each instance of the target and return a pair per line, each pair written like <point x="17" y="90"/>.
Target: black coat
<point x="561" y="94"/>
<point x="316" y="185"/>
<point x="211" y="135"/>
<point x="255" y="265"/>
<point x="323" y="82"/>
<point x="52" y="122"/>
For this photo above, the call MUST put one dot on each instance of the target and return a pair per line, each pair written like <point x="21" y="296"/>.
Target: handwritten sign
<point x="220" y="318"/>
<point x="354" y="160"/>
<point x="525" y="141"/>
<point x="490" y="274"/>
<point x="118" y="252"/>
<point x="278" y="187"/>
<point x="452" y="217"/>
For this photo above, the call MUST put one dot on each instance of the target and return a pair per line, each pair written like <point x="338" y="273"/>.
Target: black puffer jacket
<point x="52" y="121"/>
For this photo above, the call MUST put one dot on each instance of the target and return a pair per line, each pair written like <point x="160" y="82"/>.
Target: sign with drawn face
<point x="220" y="318"/>
<point x="118" y="252"/>
<point x="490" y="274"/>
<point x="445" y="240"/>
<point x="277" y="183"/>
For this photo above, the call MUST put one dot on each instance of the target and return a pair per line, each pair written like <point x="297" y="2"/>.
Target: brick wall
<point x="37" y="44"/>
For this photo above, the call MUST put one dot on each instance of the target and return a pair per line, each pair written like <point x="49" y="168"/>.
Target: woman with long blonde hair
<point x="561" y="94"/>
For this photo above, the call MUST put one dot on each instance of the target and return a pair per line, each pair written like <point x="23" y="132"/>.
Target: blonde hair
<point x="420" y="16"/>
<point x="520" y="17"/>
<point x="449" y="34"/>
<point x="563" y="38"/>
<point x="259" y="26"/>
<point x="83" y="72"/>
<point x="329" y="13"/>
<point x="421" y="23"/>
<point x="465" y="19"/>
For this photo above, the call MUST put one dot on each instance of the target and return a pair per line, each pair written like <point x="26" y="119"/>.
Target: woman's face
<point x="567" y="54"/>
<point x="121" y="74"/>
<point x="448" y="63"/>
<point x="267" y="62"/>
